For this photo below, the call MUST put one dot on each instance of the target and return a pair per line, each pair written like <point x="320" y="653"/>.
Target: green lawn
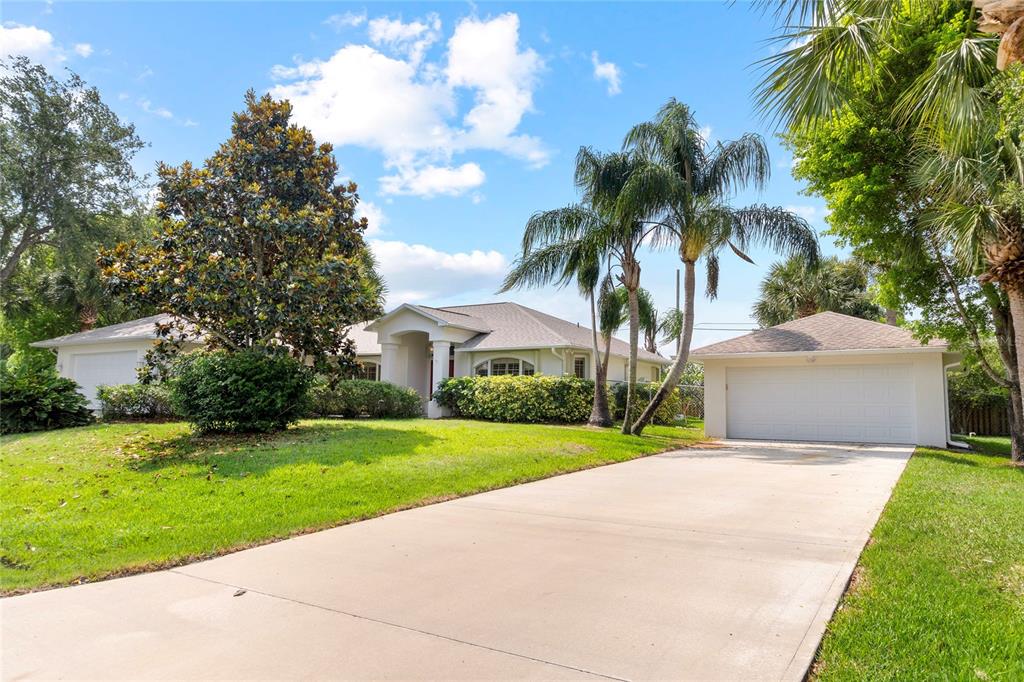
<point x="939" y="592"/>
<point x="86" y="503"/>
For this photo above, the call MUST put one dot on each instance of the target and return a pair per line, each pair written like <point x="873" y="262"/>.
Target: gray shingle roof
<point x="134" y="330"/>
<point x="826" y="331"/>
<point x="516" y="326"/>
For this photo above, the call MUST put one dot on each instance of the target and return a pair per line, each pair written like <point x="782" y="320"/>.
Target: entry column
<point x="439" y="374"/>
<point x="389" y="363"/>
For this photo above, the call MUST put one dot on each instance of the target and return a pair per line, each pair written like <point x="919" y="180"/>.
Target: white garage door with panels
<point x="95" y="369"/>
<point x="856" y="403"/>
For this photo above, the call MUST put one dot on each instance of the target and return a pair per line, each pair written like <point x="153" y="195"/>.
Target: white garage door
<point x="860" y="404"/>
<point x="95" y="369"/>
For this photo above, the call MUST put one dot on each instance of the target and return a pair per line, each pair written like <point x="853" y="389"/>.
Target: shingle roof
<point x="141" y="329"/>
<point x="515" y="326"/>
<point x="826" y="331"/>
<point x="457" y="318"/>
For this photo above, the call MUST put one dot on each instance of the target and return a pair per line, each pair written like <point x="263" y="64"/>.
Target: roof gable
<point x="826" y="331"/>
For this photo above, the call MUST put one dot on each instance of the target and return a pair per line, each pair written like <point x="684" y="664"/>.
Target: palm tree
<point x="970" y="166"/>
<point x="793" y="289"/>
<point x="560" y="263"/>
<point x="683" y="184"/>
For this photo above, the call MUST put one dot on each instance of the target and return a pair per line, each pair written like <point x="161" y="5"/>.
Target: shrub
<point x="238" y="391"/>
<point x="39" y="400"/>
<point x="135" y="401"/>
<point x="518" y="398"/>
<point x="666" y="412"/>
<point x="361" y="398"/>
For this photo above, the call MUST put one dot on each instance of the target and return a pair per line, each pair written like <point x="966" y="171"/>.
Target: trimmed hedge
<point x="564" y="400"/>
<point x="39" y="400"/>
<point x="135" y="401"/>
<point x="362" y="398"/>
<point x="666" y="412"/>
<point x="242" y="391"/>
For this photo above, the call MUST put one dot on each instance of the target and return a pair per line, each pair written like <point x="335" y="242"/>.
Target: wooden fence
<point x="983" y="421"/>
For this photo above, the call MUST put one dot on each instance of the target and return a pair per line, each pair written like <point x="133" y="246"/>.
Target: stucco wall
<point x="927" y="370"/>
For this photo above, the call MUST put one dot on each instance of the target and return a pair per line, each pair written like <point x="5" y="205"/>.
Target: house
<point x="413" y="345"/>
<point x="828" y="377"/>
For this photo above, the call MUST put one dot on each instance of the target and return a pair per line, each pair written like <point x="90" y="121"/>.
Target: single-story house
<point x="413" y="345"/>
<point x="828" y="377"/>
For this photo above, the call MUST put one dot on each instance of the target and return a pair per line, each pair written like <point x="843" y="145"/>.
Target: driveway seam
<point x="654" y="526"/>
<point x="399" y="626"/>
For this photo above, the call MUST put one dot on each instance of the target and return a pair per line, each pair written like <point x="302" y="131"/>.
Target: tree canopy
<point x="794" y="288"/>
<point x="257" y="249"/>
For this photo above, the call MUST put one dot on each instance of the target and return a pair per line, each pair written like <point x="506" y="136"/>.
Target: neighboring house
<point x="828" y="377"/>
<point x="413" y="345"/>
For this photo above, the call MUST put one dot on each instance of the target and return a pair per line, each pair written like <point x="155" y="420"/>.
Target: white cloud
<point x="608" y="72"/>
<point x="389" y="97"/>
<point x="375" y="218"/>
<point x="808" y="212"/>
<point x="32" y="42"/>
<point x="411" y="40"/>
<point x="346" y="20"/>
<point x="430" y="181"/>
<point x="83" y="49"/>
<point x="150" y="108"/>
<point x="189" y="123"/>
<point x="706" y="134"/>
<point x="416" y="272"/>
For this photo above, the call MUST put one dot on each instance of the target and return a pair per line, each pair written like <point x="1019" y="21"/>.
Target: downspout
<point x="945" y="402"/>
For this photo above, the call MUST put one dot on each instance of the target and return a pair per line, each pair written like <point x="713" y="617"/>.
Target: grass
<point x="93" y="502"/>
<point x="939" y="591"/>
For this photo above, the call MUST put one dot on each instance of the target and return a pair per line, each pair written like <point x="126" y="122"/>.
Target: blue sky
<point x="457" y="120"/>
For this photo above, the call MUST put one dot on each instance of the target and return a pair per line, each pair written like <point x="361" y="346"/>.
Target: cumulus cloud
<point x="410" y="40"/>
<point x="387" y="96"/>
<point x="808" y="212"/>
<point x="416" y="272"/>
<point x="83" y="49"/>
<point x="431" y="181"/>
<point x="608" y="72"/>
<point x="32" y="42"/>
<point x="375" y="217"/>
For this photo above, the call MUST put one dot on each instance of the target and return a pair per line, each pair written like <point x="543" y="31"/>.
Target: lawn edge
<point x="196" y="558"/>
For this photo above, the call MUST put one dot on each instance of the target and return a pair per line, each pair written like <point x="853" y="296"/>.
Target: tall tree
<point x="898" y="119"/>
<point x="259" y="248"/>
<point x="793" y="289"/>
<point x="65" y="158"/>
<point x="682" y="187"/>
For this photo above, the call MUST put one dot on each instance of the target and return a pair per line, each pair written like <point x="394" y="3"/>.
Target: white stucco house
<point x="413" y="345"/>
<point x="828" y="377"/>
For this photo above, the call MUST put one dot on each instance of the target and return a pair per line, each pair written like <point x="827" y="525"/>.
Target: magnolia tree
<point x="259" y="249"/>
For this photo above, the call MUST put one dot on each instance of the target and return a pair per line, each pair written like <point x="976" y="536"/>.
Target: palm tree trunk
<point x="599" y="415"/>
<point x="1015" y="295"/>
<point x="634" y="344"/>
<point x="670" y="382"/>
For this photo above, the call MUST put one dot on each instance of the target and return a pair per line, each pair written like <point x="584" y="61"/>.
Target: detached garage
<point x="827" y="377"/>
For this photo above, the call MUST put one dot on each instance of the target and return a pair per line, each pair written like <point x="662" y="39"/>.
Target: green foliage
<point x="523" y="399"/>
<point x="258" y="247"/>
<point x="243" y="391"/>
<point x="65" y="159"/>
<point x="135" y="401"/>
<point x="664" y="414"/>
<point x="794" y="288"/>
<point x="39" y="400"/>
<point x="970" y="386"/>
<point x="360" y="398"/>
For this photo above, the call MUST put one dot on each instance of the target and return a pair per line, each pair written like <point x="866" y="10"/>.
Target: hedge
<point x="543" y="399"/>
<point x="39" y="400"/>
<point x="135" y="401"/>
<point x="362" y="398"/>
<point x="666" y="412"/>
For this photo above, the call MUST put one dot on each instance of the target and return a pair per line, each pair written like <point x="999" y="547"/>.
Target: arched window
<point x="502" y="366"/>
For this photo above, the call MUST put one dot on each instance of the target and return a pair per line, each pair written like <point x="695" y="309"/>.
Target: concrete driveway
<point x="724" y="562"/>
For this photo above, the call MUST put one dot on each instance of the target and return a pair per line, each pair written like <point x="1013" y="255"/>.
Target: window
<point x="367" y="370"/>
<point x="655" y="373"/>
<point x="579" y="366"/>
<point x="502" y="366"/>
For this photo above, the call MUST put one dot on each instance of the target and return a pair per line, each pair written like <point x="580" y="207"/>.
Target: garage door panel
<point x="870" y="403"/>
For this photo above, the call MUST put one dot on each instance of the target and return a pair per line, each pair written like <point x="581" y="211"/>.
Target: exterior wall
<point x="544" y="361"/>
<point x="618" y="368"/>
<point x="929" y="387"/>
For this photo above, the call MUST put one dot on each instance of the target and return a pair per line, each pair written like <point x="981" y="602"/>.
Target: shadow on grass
<point x="325" y="444"/>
